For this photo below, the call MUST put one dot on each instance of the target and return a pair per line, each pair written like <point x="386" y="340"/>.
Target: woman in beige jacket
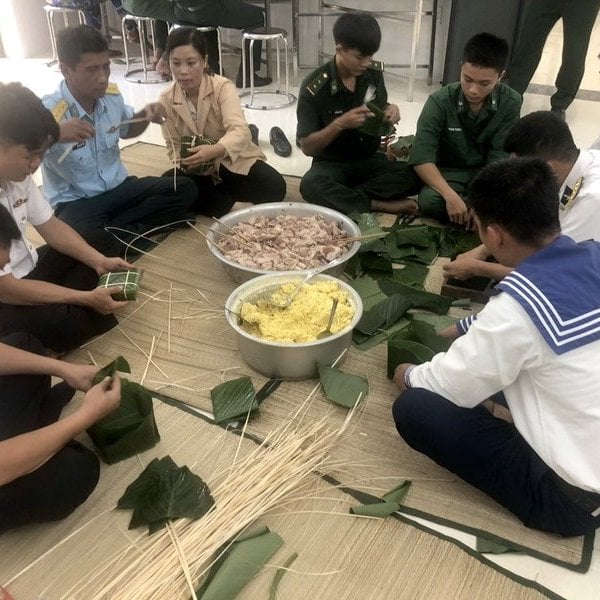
<point x="232" y="169"/>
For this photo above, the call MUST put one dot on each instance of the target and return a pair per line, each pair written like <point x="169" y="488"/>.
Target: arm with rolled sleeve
<point x="487" y="359"/>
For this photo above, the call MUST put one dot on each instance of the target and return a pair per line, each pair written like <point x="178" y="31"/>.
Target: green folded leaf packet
<point x="238" y="563"/>
<point x="128" y="280"/>
<point x="232" y="399"/>
<point x="131" y="428"/>
<point x="190" y="141"/>
<point x="164" y="492"/>
<point x="376" y="125"/>
<point x="389" y="504"/>
<point x="343" y="389"/>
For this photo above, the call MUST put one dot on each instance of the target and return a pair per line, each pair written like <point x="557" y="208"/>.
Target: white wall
<point x="23" y="29"/>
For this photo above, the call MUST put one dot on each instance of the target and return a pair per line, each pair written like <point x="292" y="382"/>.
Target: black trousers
<point x="233" y="14"/>
<point x="262" y="184"/>
<point x="54" y="490"/>
<point x="137" y="204"/>
<point x="350" y="185"/>
<point x="490" y="454"/>
<point x="62" y="327"/>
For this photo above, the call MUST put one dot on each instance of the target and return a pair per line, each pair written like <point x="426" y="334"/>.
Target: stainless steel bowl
<point x="283" y="359"/>
<point x="239" y="273"/>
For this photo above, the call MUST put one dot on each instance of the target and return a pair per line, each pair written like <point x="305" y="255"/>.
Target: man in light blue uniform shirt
<point x="84" y="177"/>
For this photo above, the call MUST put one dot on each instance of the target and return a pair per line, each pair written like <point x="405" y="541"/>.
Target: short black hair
<point x="8" y="228"/>
<point x="357" y="31"/>
<point x="486" y="50"/>
<point x="73" y="42"/>
<point x="543" y="134"/>
<point x="24" y="119"/>
<point x="520" y="195"/>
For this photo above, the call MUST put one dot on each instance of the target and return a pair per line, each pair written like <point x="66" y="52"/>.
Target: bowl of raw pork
<point x="283" y="237"/>
<point x="285" y="343"/>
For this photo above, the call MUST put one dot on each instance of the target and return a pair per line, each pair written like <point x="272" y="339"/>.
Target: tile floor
<point x="583" y="117"/>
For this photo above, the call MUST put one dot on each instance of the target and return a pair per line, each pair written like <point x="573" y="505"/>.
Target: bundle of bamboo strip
<point x="169" y="564"/>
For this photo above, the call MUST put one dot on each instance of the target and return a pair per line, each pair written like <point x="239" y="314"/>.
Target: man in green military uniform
<point x="342" y="114"/>
<point x="539" y="17"/>
<point x="462" y="128"/>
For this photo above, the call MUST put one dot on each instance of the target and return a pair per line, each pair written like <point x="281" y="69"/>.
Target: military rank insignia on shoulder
<point x="568" y="198"/>
<point x="58" y="110"/>
<point x="112" y="89"/>
<point x="376" y="65"/>
<point x="317" y="83"/>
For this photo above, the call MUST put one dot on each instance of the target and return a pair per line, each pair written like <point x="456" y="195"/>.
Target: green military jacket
<point x="323" y="97"/>
<point x="450" y="136"/>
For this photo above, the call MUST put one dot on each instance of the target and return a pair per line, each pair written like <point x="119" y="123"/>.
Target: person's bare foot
<point x="404" y="206"/>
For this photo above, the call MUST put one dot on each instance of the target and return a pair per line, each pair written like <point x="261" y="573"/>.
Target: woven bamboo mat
<point x="340" y="556"/>
<point x="194" y="350"/>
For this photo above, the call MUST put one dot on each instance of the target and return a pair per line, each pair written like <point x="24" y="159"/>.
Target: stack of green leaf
<point x="386" y="302"/>
<point x="164" y="492"/>
<point x="131" y="428"/>
<point x="417" y="343"/>
<point x="407" y="244"/>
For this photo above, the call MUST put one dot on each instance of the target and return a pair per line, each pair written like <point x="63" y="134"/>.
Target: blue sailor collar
<point x="564" y="308"/>
<point x="574" y="180"/>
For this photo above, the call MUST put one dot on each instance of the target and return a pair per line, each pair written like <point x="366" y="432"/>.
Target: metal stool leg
<point x="220" y="50"/>
<point x="125" y="43"/>
<point x="278" y="65"/>
<point x="243" y="63"/>
<point x="50" y="19"/>
<point x="251" y="50"/>
<point x="287" y="73"/>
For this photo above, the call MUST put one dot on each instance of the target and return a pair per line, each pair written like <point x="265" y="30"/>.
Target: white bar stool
<point x="65" y="12"/>
<point x="282" y="97"/>
<point x="207" y="29"/>
<point x="149" y="75"/>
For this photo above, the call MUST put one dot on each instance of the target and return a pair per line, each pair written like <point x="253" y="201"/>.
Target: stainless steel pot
<point x="281" y="359"/>
<point x="240" y="273"/>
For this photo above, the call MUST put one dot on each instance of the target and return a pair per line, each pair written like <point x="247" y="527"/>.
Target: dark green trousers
<point x="432" y="205"/>
<point x="540" y="16"/>
<point x="349" y="186"/>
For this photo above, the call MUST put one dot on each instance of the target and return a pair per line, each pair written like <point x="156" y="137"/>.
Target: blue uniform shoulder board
<point x="112" y="89"/>
<point x="317" y="83"/>
<point x="59" y="109"/>
<point x="376" y="65"/>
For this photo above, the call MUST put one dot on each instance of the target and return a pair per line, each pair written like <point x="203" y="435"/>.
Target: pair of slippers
<point x="277" y="139"/>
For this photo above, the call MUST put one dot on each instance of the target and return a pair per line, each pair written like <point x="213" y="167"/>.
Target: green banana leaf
<point x="425" y="333"/>
<point x="412" y="275"/>
<point x="235" y="398"/>
<point x="419" y="298"/>
<point x="369" y="291"/>
<point x="365" y="342"/>
<point x="164" y="492"/>
<point x="238" y="564"/>
<point x="343" y="389"/>
<point x="390" y="504"/>
<point x="119" y="364"/>
<point x="384" y="314"/>
<point x="376" y="125"/>
<point x="400" y="351"/>
<point x="128" y="430"/>
<point x="419" y="236"/>
<point x="373" y="261"/>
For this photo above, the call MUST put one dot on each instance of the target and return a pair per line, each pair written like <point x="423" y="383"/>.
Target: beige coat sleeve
<point x="237" y="135"/>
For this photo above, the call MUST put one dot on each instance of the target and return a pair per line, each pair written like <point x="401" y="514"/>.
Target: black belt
<point x="588" y="501"/>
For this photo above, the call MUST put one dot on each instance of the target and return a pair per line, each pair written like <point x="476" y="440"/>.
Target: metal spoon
<point x="327" y="332"/>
